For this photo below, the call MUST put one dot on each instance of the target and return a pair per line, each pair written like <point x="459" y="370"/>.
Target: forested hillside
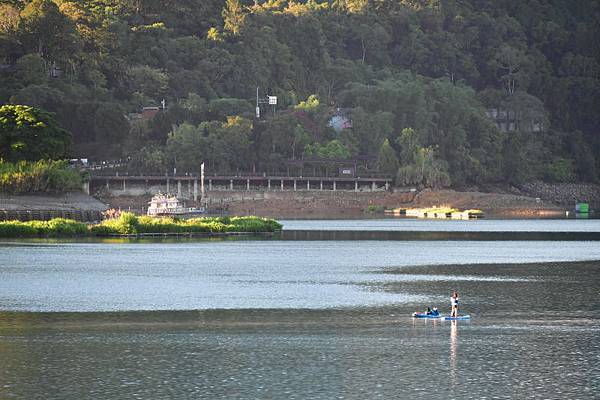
<point x="435" y="92"/>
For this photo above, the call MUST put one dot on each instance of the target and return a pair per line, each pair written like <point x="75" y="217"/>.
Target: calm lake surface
<point x="295" y="320"/>
<point x="445" y="225"/>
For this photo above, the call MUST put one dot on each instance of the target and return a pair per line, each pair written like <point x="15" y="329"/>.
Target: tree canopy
<point x="492" y="91"/>
<point x="28" y="133"/>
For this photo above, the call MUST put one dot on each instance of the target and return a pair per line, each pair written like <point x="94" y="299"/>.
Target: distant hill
<point x="462" y="92"/>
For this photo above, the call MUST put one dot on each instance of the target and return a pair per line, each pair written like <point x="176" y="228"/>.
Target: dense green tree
<point x="434" y="66"/>
<point x="387" y="161"/>
<point x="48" y="31"/>
<point x="31" y="70"/>
<point x="149" y="160"/>
<point x="150" y="82"/>
<point x="188" y="146"/>
<point x="28" y="133"/>
<point x="227" y="107"/>
<point x="333" y="149"/>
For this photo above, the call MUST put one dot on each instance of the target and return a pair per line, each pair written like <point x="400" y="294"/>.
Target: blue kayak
<point x="425" y="315"/>
<point x="456" y="318"/>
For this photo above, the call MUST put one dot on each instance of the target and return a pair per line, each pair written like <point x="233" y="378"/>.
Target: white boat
<point x="167" y="204"/>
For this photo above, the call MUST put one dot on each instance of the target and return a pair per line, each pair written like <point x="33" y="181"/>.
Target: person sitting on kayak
<point x="435" y="312"/>
<point x="454" y="304"/>
<point x="428" y="312"/>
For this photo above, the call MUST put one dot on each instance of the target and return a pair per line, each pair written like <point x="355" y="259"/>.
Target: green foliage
<point x="220" y="109"/>
<point x="428" y="65"/>
<point x="252" y="224"/>
<point x="223" y="146"/>
<point x="419" y="165"/>
<point x="333" y="149"/>
<point x="149" y="159"/>
<point x="128" y="223"/>
<point x="28" y="133"/>
<point x="148" y="81"/>
<point x="375" y="209"/>
<point x="31" y="70"/>
<point x="560" y="170"/>
<point x="10" y="229"/>
<point x="57" y="227"/>
<point x="311" y="104"/>
<point x="233" y="16"/>
<point x="38" y="176"/>
<point x="387" y="162"/>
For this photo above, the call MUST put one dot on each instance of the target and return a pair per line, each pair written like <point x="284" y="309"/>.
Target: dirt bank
<point x="71" y="201"/>
<point x="340" y="204"/>
<point x="535" y="199"/>
<point x="349" y="204"/>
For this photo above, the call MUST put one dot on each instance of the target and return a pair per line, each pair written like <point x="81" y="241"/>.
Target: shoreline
<point x="317" y="204"/>
<point x="532" y="201"/>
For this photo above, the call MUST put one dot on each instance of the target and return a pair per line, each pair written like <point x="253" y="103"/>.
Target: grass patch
<point x="130" y="224"/>
<point x="57" y="227"/>
<point x="374" y="209"/>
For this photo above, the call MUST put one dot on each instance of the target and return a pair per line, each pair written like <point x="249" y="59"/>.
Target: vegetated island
<point x="130" y="225"/>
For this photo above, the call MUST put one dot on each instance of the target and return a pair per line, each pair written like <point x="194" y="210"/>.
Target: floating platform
<point x="437" y="213"/>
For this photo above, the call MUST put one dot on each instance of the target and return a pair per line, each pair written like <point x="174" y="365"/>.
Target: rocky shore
<point x="564" y="193"/>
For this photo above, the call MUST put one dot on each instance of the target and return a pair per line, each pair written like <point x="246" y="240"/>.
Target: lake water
<point x="298" y="319"/>
<point x="447" y="225"/>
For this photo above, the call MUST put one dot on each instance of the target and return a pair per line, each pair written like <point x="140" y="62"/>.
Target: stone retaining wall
<point x="564" y="193"/>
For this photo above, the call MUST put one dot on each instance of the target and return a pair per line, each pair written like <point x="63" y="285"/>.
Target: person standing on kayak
<point x="454" y="304"/>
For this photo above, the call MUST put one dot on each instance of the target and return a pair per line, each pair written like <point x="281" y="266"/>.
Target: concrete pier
<point x="134" y="184"/>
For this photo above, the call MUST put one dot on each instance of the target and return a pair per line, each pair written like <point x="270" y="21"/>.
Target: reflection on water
<point x="532" y="338"/>
<point x="453" y="345"/>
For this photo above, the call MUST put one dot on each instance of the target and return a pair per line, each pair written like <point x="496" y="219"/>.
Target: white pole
<point x="202" y="182"/>
<point x="257" y="106"/>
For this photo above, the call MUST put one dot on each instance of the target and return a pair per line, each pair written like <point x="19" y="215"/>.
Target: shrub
<point x="16" y="229"/>
<point x="127" y="223"/>
<point x="66" y="227"/>
<point x="55" y="227"/>
<point x="159" y="225"/>
<point x="103" y="230"/>
<point x="372" y="208"/>
<point x="253" y="224"/>
<point x="38" y="176"/>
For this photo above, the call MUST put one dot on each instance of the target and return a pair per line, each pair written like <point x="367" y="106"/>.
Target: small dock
<point x="437" y="213"/>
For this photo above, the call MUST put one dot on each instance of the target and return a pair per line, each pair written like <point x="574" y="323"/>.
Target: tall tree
<point x="387" y="161"/>
<point x="28" y="133"/>
<point x="233" y="16"/>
